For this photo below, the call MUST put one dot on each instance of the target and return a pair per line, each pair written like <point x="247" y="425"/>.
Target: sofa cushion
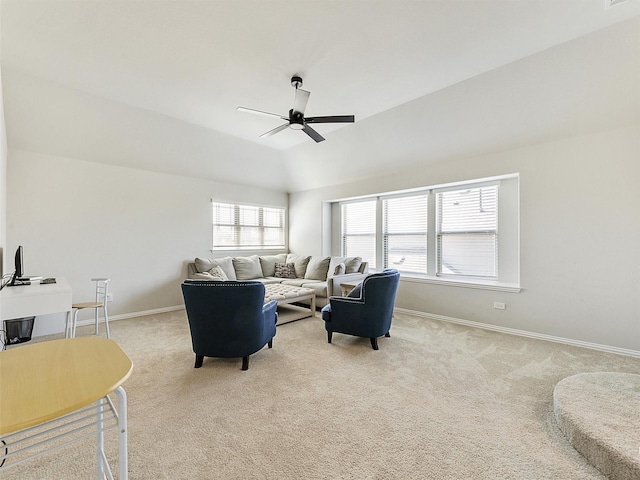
<point x="317" y="268"/>
<point x="268" y="263"/>
<point x="247" y="268"/>
<point x="203" y="265"/>
<point x="201" y="276"/>
<point x="285" y="270"/>
<point x="300" y="262"/>
<point x="319" y="288"/>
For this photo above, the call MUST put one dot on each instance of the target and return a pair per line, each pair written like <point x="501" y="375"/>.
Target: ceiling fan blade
<point x="300" y="100"/>
<point x="331" y="119"/>
<point x="274" y="131"/>
<point x="313" y="134"/>
<point x="259" y="112"/>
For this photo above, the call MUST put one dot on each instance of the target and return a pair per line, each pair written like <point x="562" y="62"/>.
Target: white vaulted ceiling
<point x="155" y="84"/>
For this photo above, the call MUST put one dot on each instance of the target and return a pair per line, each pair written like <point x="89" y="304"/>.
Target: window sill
<point x="464" y="283"/>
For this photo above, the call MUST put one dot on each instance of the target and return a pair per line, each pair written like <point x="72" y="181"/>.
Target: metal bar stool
<point x="102" y="293"/>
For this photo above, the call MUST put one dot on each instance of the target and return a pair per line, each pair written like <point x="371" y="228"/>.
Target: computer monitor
<point x="19" y="264"/>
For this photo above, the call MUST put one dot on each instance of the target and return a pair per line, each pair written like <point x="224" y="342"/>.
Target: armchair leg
<point x="387" y="335"/>
<point x="245" y="363"/>
<point x="270" y="344"/>
<point x="374" y="343"/>
<point x="199" y="360"/>
<point x="329" y="336"/>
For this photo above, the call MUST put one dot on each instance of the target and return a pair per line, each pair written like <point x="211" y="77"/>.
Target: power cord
<point x="8" y="276"/>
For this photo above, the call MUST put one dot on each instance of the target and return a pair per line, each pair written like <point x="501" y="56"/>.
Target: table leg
<point x="123" y="456"/>
<point x="99" y="441"/>
<point x="67" y="325"/>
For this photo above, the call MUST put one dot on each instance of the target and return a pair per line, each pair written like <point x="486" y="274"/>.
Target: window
<point x="405" y="233"/>
<point x="465" y="233"/>
<point x="359" y="230"/>
<point x="247" y="226"/>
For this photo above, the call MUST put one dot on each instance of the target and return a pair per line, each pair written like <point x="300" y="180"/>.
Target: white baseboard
<point x="523" y="333"/>
<point x="125" y="316"/>
<point x="443" y="318"/>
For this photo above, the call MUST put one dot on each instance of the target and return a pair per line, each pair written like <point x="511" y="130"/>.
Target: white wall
<point x="580" y="231"/>
<point x="79" y="219"/>
<point x="3" y="181"/>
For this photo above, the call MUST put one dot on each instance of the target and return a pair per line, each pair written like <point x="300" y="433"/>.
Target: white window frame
<point x="237" y="225"/>
<point x="508" y="235"/>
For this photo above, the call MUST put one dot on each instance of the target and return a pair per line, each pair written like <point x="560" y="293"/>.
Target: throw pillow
<point x="300" y="262"/>
<point x="247" y="268"/>
<point x="285" y="270"/>
<point x="218" y="274"/>
<point x="268" y="263"/>
<point x="339" y="269"/>
<point x="352" y="264"/>
<point x="203" y="265"/>
<point x="318" y="268"/>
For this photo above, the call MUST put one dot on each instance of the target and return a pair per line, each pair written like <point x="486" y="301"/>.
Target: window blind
<point x="405" y="233"/>
<point x="467" y="232"/>
<point x="359" y="230"/>
<point x="247" y="226"/>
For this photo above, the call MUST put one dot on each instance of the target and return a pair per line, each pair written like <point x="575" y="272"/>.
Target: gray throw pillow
<point x="285" y="270"/>
<point x="203" y="265"/>
<point x="352" y="264"/>
<point x="300" y="262"/>
<point x="339" y="269"/>
<point x="247" y="268"/>
<point x="268" y="263"/>
<point x="318" y="268"/>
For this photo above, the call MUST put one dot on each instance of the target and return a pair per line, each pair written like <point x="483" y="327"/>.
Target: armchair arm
<point x="345" y="307"/>
<point x="269" y="311"/>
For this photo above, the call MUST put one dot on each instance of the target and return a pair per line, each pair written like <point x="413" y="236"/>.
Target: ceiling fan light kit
<point x="296" y="119"/>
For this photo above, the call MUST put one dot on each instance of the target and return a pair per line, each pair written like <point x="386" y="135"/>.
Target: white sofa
<point x="323" y="275"/>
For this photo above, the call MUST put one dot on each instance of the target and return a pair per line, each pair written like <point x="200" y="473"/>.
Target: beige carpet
<point x="598" y="413"/>
<point x="437" y="401"/>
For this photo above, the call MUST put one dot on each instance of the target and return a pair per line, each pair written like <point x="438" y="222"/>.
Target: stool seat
<point x="87" y="305"/>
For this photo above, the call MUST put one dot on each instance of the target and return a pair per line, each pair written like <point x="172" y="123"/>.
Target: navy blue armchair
<point x="228" y="319"/>
<point x="367" y="311"/>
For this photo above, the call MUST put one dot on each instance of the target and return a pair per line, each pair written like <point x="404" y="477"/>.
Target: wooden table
<point x="347" y="287"/>
<point x="57" y="392"/>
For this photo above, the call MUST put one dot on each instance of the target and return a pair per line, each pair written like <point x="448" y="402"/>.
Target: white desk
<point x="35" y="299"/>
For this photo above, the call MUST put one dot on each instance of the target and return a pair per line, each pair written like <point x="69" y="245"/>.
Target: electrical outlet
<point x="110" y="297"/>
<point x="499" y="305"/>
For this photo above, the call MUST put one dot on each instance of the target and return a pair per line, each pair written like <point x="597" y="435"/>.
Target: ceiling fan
<point x="296" y="119"/>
